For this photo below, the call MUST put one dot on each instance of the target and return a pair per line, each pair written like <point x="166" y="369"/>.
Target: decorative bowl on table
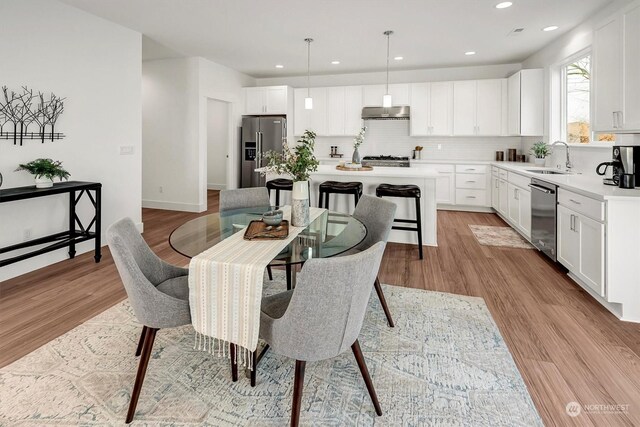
<point x="272" y="218"/>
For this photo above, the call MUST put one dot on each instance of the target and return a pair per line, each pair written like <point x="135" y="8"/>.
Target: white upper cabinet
<point x="372" y="94"/>
<point x="616" y="67"/>
<point x="352" y="110"/>
<point x="477" y="107"/>
<point x="265" y="100"/>
<point x="464" y="107"/>
<point x="431" y="108"/>
<point x="336" y="111"/>
<point x="526" y="103"/>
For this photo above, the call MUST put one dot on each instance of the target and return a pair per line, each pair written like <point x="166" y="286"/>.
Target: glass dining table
<point x="330" y="234"/>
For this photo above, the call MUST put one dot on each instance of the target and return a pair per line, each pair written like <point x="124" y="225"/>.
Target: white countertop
<point x="589" y="186"/>
<point x="379" y="171"/>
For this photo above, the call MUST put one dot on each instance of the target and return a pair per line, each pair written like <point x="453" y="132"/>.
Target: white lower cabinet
<point x="503" y="190"/>
<point x="519" y="208"/>
<point x="581" y="247"/>
<point x="511" y="197"/>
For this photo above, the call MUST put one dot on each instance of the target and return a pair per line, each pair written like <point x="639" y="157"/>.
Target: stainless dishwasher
<point x="544" y="200"/>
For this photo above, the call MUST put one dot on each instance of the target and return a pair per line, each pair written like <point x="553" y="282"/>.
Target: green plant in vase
<point x="540" y="151"/>
<point x="44" y="171"/>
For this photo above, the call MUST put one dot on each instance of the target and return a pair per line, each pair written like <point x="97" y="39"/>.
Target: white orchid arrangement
<point x="359" y="139"/>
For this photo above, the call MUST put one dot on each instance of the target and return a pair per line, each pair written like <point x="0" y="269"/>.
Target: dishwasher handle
<point x="542" y="189"/>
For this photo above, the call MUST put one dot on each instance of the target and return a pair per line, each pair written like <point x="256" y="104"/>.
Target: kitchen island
<point x="424" y="178"/>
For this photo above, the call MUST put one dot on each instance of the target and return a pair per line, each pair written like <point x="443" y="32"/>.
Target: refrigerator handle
<point x="259" y="149"/>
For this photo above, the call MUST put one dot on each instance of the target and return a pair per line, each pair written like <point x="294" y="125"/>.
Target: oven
<point x="544" y="201"/>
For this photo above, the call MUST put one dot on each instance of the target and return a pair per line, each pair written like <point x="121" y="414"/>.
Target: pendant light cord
<point x="308" y="40"/>
<point x="388" y="37"/>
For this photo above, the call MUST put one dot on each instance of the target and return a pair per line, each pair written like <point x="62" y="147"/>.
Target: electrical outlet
<point x="160" y="189"/>
<point x="439" y="146"/>
<point x="126" y="150"/>
<point x="26" y="234"/>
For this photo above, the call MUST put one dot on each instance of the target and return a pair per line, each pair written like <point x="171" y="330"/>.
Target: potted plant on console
<point x="540" y="150"/>
<point x="297" y="162"/>
<point x="44" y="170"/>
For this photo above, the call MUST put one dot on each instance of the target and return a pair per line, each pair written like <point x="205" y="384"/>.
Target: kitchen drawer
<point x="495" y="171"/>
<point x="442" y="168"/>
<point x="592" y="208"/>
<point x="519" y="180"/>
<point x="471" y="197"/>
<point x="503" y="174"/>
<point x="471" y="168"/>
<point x="471" y="181"/>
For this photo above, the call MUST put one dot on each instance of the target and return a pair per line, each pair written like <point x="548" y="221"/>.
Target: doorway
<point x="217" y="143"/>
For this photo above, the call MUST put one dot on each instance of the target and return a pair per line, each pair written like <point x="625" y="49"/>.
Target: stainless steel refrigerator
<point x="259" y="135"/>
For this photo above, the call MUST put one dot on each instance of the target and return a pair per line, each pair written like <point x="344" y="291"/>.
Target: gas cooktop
<point x="386" y="161"/>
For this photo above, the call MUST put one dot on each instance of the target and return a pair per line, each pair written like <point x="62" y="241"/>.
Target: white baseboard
<point x="172" y="206"/>
<point x="140" y="226"/>
<point x="213" y="186"/>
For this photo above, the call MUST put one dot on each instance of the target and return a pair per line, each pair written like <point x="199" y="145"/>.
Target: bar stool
<point x="406" y="191"/>
<point x="337" y="187"/>
<point x="279" y="184"/>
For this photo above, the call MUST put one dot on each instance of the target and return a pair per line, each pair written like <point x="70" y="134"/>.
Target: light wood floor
<point x="566" y="346"/>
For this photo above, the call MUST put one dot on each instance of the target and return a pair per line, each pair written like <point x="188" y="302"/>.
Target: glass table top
<point x="330" y="234"/>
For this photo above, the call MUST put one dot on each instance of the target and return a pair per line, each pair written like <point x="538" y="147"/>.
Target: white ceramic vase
<point x="300" y="204"/>
<point x="539" y="162"/>
<point x="42" y="182"/>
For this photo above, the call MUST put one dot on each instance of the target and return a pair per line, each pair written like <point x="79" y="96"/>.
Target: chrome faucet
<point x="568" y="164"/>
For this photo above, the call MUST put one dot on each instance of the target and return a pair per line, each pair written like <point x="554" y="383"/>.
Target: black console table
<point x="68" y="238"/>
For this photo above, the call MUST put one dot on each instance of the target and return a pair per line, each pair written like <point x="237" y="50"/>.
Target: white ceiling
<point x="252" y="36"/>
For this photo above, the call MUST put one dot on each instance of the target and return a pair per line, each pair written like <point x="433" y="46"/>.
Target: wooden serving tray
<point x="257" y="230"/>
<point x="361" y="169"/>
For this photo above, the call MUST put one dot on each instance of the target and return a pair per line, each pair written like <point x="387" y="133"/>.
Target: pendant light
<point x="308" y="101"/>
<point x="386" y="99"/>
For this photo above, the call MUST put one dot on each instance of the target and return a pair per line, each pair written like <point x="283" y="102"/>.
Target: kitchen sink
<point x="547" y="172"/>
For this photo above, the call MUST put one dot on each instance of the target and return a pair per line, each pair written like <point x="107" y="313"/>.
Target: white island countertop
<point x="381" y="172"/>
<point x="588" y="185"/>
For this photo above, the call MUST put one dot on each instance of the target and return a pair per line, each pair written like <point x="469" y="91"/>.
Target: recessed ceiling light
<point x="551" y="28"/>
<point x="504" y="5"/>
<point x="399" y="58"/>
<point x="470" y="53"/>
<point x="335" y="62"/>
<point x="279" y="66"/>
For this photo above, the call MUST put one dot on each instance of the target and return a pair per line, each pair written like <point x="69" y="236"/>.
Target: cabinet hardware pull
<point x="469" y="169"/>
<point x="471" y="197"/>
<point x="575" y="201"/>
<point x="571" y="222"/>
<point x="615" y="120"/>
<point x="470" y="181"/>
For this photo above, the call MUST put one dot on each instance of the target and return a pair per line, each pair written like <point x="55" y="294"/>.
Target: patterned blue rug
<point x="444" y="364"/>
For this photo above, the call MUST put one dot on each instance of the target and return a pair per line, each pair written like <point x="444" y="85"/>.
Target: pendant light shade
<point x="308" y="101"/>
<point x="386" y="99"/>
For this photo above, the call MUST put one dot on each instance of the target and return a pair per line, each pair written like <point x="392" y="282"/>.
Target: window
<point x="576" y="79"/>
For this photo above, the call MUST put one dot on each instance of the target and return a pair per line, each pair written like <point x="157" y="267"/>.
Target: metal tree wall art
<point x="18" y="113"/>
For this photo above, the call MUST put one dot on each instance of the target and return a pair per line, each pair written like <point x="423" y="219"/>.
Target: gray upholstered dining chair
<point x="377" y="215"/>
<point x="244" y="198"/>
<point x="322" y="317"/>
<point x="158" y="292"/>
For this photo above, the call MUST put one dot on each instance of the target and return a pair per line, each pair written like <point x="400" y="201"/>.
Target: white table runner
<point x="225" y="290"/>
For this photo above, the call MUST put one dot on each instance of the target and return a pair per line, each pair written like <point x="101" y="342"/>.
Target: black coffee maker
<point x="628" y="157"/>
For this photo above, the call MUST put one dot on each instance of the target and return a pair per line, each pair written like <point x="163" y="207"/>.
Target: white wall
<point x="585" y="159"/>
<point x="217" y="143"/>
<point x="95" y="64"/>
<point x="175" y="93"/>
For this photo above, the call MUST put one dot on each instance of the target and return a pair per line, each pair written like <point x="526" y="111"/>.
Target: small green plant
<point x="359" y="139"/>
<point x="540" y="150"/>
<point x="298" y="162"/>
<point x="45" y="168"/>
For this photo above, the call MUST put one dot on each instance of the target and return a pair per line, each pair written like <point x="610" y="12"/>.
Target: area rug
<point x="444" y="364"/>
<point x="488" y="235"/>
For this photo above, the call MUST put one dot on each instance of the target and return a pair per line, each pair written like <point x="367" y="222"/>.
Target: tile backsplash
<point x="391" y="137"/>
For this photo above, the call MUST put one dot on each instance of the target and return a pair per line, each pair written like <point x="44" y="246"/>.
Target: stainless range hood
<point x="381" y="113"/>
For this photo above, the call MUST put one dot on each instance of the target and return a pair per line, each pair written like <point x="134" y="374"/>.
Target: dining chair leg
<point x="365" y="375"/>
<point x="254" y="367"/>
<point x="147" y="348"/>
<point x="298" y="383"/>
<point x="234" y="362"/>
<point x="383" y="302"/>
<point x="141" y="341"/>
<point x="270" y="272"/>
<point x="288" y="272"/>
